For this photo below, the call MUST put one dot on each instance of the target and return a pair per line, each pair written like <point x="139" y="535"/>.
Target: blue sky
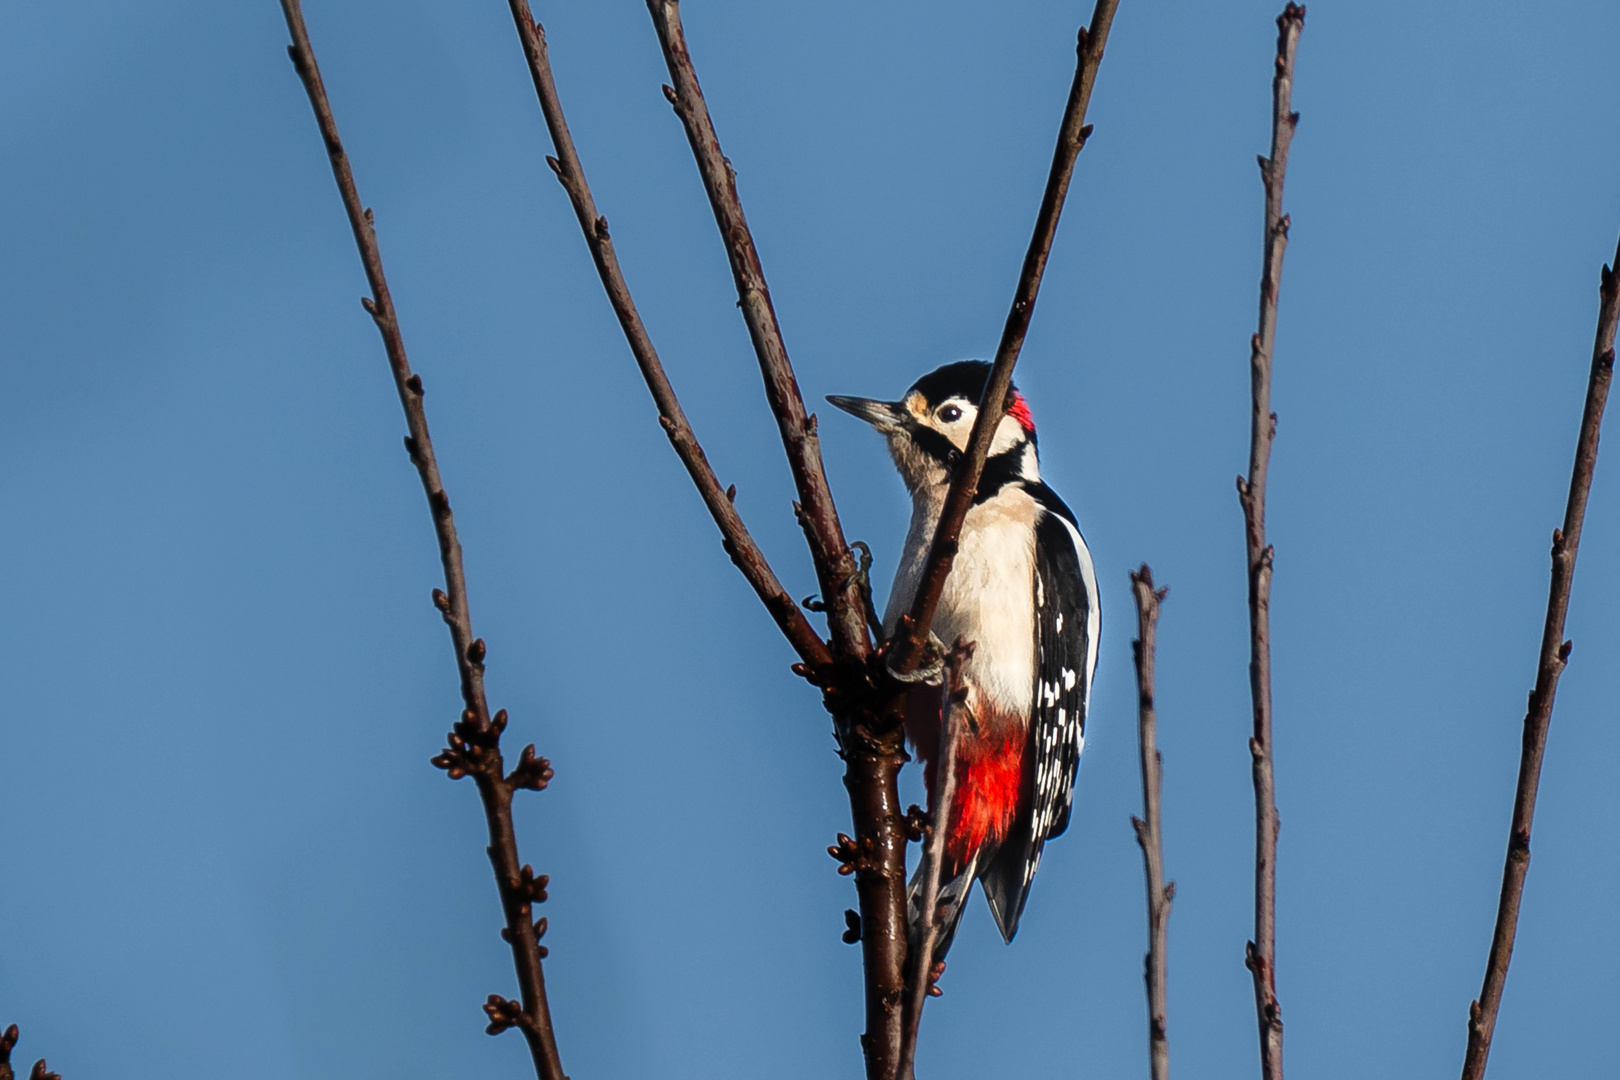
<point x="221" y="678"/>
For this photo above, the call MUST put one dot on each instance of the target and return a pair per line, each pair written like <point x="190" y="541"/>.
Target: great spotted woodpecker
<point x="1023" y="590"/>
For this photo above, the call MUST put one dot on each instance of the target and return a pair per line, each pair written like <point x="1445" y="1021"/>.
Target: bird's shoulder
<point x="1049" y="500"/>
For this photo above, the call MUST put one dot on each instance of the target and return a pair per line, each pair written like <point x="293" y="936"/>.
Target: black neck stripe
<point x="999" y="471"/>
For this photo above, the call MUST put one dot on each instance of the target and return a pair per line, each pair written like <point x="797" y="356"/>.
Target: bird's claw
<point x="863" y="581"/>
<point x="931" y="672"/>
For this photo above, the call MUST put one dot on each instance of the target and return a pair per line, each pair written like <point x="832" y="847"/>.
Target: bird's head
<point x="929" y="427"/>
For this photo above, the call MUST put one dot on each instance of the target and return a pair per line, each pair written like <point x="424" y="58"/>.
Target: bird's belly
<point x="989" y="599"/>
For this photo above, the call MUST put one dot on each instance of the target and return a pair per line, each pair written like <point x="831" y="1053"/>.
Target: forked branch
<point x="475" y="743"/>
<point x="909" y="650"/>
<point x="873" y="753"/>
<point x="1261" y="955"/>
<point x="1554" y="656"/>
<point x="867" y="723"/>
<point x="1148" y="830"/>
<point x="835" y="564"/>
<point x="744" y="552"/>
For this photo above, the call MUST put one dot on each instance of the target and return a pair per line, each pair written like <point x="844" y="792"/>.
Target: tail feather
<point x="1006" y="876"/>
<point x="953" y="896"/>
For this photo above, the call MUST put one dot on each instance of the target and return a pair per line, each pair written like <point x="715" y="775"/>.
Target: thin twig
<point x="920" y="976"/>
<point x="475" y="743"/>
<point x="738" y="543"/>
<point x="1261" y="955"/>
<point x="835" y="565"/>
<point x="911" y="638"/>
<point x="8" y="1042"/>
<point x="1148" y="831"/>
<point x="1555" y="652"/>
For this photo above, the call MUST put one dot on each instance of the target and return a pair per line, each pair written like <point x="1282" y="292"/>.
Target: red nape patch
<point x="1018" y="409"/>
<point x="989" y="777"/>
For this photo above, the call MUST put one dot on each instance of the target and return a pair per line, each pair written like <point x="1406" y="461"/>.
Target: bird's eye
<point x="950" y="414"/>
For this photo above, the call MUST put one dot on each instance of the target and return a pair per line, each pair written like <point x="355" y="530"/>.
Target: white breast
<point x="989" y="598"/>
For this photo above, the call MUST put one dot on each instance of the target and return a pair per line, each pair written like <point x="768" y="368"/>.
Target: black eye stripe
<point x="935" y="446"/>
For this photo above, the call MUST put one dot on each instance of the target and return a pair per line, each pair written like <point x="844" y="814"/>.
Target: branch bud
<point x="528" y="887"/>
<point x="453" y="762"/>
<point x="503" y="1014"/>
<point x="917" y="824"/>
<point x="532" y="773"/>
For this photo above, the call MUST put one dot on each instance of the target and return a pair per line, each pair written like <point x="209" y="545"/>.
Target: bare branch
<point x="738" y="543"/>
<point x="1261" y="954"/>
<point x="1148" y="833"/>
<point x="911" y="638"/>
<point x="920" y="977"/>
<point x="475" y="743"/>
<point x="8" y="1042"/>
<point x="835" y="565"/>
<point x="1553" y="659"/>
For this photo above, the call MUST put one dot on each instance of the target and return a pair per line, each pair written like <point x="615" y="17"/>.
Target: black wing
<point x="1066" y="624"/>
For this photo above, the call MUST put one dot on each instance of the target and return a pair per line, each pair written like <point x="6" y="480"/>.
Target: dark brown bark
<point x="873" y="753"/>
<point x="835" y="564"/>
<point x="475" y="747"/>
<point x="1148" y="829"/>
<point x="1553" y="658"/>
<point x="919" y="975"/>
<point x="909" y="650"/>
<point x="1261" y="955"/>
<point x="738" y="543"/>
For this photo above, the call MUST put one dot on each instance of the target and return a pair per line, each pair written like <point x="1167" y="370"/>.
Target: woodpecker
<point x="1024" y="591"/>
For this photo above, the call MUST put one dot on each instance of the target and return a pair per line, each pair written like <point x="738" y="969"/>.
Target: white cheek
<point x="1008" y="435"/>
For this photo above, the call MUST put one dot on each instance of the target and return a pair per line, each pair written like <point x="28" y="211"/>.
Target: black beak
<point x="886" y="416"/>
